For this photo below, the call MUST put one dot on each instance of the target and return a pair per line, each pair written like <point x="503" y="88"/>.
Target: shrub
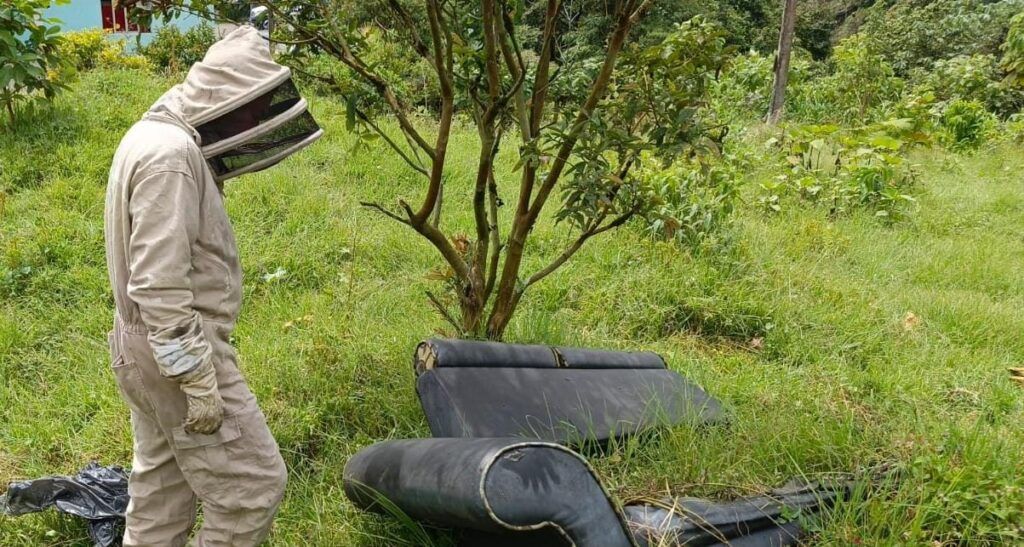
<point x="1013" y="52"/>
<point x="849" y="88"/>
<point x="176" y="51"/>
<point x="29" y="60"/>
<point x="694" y="202"/>
<point x="848" y="168"/>
<point x="861" y="80"/>
<point x="81" y="49"/>
<point x="746" y="84"/>
<point x="967" y="124"/>
<point x="970" y="77"/>
<point x="915" y="34"/>
<point x="94" y="48"/>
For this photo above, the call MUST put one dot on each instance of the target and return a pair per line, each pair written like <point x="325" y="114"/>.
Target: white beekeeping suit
<point x="174" y="268"/>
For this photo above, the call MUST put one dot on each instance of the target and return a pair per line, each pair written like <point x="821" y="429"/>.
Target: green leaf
<point x="350" y="113"/>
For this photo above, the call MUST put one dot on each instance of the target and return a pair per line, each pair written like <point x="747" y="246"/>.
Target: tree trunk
<point x="782" y="61"/>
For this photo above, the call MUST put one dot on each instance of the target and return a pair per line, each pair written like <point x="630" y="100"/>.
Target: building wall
<point x="86" y="14"/>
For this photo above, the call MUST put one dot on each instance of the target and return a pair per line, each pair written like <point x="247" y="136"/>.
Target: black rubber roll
<point x="491" y="485"/>
<point x="447" y="353"/>
<point x="438" y="352"/>
<point x="596" y="358"/>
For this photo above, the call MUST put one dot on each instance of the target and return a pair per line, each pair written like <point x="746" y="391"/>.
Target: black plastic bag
<point x="98" y="494"/>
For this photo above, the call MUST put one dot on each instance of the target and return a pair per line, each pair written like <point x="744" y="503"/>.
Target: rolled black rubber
<point x="595" y="358"/>
<point x="491" y="485"/>
<point x="438" y="352"/>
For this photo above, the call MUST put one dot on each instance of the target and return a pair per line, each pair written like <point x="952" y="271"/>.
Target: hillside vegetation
<point x="839" y="344"/>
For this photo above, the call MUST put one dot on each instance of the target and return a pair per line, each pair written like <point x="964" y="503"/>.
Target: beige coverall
<point x="175" y="272"/>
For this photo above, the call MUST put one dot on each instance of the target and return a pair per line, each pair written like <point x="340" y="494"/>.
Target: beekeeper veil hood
<point x="244" y="106"/>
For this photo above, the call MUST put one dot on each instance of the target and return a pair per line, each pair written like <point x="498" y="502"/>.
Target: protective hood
<point x="242" y="106"/>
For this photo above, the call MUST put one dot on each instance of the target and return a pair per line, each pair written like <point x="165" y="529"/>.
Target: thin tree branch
<point x="597" y="90"/>
<point x="444" y="313"/>
<point x="447" y="111"/>
<point x="394" y="146"/>
<point x="330" y="80"/>
<point x="576" y="245"/>
<point x="514" y="60"/>
<point x="344" y="53"/>
<point x="492" y="267"/>
<point x="410" y="23"/>
<point x="383" y="210"/>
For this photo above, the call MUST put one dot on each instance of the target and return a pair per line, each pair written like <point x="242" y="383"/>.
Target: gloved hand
<point x="205" y="407"/>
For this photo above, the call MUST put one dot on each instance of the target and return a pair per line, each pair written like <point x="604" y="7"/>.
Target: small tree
<point x="580" y="128"/>
<point x="28" y="53"/>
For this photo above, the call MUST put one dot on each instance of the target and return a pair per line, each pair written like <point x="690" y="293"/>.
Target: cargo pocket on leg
<point x="205" y="459"/>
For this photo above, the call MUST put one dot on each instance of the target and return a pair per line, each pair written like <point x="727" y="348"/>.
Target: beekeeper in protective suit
<point x="173" y="262"/>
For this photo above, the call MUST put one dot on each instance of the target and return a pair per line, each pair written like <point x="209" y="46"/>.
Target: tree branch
<point x="492" y="267"/>
<point x="332" y="81"/>
<point x="576" y="245"/>
<point x="394" y="146"/>
<point x="344" y="53"/>
<point x="597" y="90"/>
<point x="447" y="111"/>
<point x="380" y="208"/>
<point x="410" y="23"/>
<point x="513" y="55"/>
<point x="444" y="313"/>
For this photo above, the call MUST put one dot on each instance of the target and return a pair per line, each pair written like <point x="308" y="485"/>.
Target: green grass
<point x="840" y="384"/>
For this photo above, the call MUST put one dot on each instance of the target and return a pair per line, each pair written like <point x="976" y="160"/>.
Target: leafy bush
<point x="1013" y="52"/>
<point x="848" y="168"/>
<point x="174" y="50"/>
<point x="970" y="77"/>
<point x="967" y="124"/>
<point x="694" y="202"/>
<point x="29" y="60"/>
<point x="861" y="80"/>
<point x="1013" y="129"/>
<point x="94" y="48"/>
<point x="915" y="34"/>
<point x="745" y="86"/>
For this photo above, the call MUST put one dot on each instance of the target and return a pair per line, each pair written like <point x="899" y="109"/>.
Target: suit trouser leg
<point x="237" y="473"/>
<point x="162" y="509"/>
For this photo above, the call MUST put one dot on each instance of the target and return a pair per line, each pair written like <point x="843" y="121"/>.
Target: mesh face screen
<point x="275" y="137"/>
<point x="252" y="114"/>
<point x="264" y="146"/>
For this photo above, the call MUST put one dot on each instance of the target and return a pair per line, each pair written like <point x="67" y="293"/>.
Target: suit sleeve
<point x="164" y="209"/>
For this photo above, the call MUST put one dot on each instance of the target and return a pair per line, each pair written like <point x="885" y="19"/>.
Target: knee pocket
<point x="240" y="465"/>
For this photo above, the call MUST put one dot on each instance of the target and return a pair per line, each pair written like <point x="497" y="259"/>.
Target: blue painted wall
<point x="86" y="14"/>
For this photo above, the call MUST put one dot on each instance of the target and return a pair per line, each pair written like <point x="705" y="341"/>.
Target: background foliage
<point x="847" y="282"/>
<point x="29" y="59"/>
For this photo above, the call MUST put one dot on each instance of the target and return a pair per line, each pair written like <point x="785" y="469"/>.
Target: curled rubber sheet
<point x="499" y="486"/>
<point x="97" y="493"/>
<point x="764" y="521"/>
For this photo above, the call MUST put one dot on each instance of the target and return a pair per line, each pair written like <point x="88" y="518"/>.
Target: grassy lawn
<point x="837" y="345"/>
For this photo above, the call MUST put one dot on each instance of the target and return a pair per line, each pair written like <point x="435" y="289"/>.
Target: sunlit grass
<point x="876" y="346"/>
